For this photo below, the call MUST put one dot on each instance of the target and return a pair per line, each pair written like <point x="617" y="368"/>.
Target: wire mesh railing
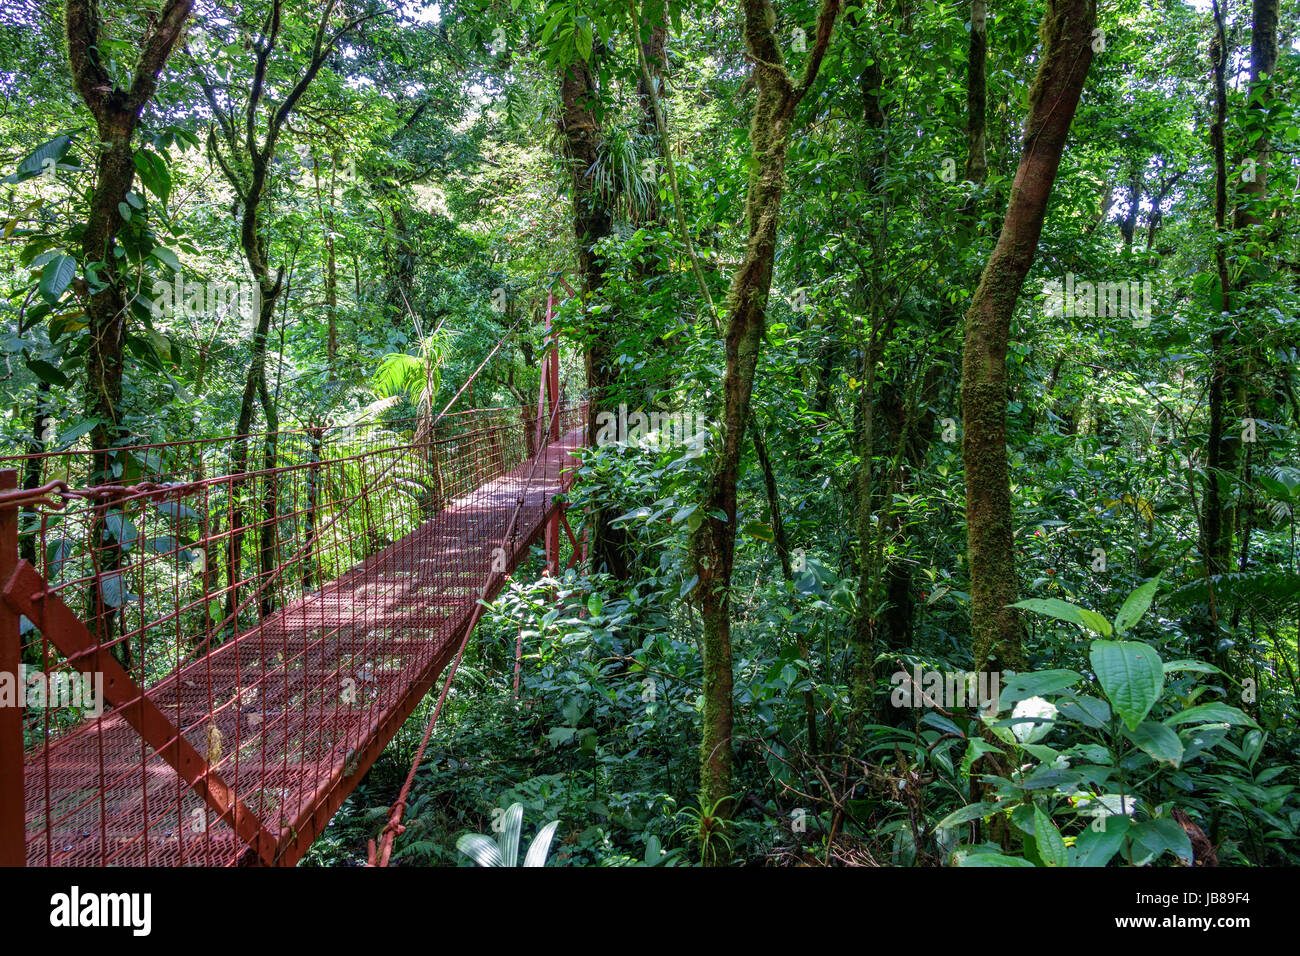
<point x="259" y="612"/>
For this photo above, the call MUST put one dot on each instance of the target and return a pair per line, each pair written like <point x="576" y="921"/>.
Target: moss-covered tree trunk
<point x="583" y="140"/>
<point x="977" y="166"/>
<point x="1230" y="399"/>
<point x="117" y="114"/>
<point x="713" y="549"/>
<point x="1066" y="37"/>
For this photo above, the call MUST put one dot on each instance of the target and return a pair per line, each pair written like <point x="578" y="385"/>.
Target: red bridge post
<point x="13" y="827"/>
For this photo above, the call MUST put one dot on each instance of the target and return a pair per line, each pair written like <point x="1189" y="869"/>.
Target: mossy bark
<point x="116" y="112"/>
<point x="583" y="140"/>
<point x="713" y="548"/>
<point x="1066" y="37"/>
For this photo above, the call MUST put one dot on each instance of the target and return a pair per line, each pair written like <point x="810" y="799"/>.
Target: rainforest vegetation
<point x="941" y="498"/>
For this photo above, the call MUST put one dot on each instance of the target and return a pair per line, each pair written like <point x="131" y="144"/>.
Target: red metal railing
<point x="263" y="614"/>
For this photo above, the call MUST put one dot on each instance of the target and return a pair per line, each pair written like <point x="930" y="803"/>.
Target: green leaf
<point x="1214" y="713"/>
<point x="176" y="510"/>
<point x="57" y="553"/>
<point x="153" y="173"/>
<point x="35" y="162"/>
<point x="75" y="432"/>
<point x="1050" y="845"/>
<point x="1036" y="684"/>
<point x="1064" y="611"/>
<point x="688" y="585"/>
<point x="1100" y="841"/>
<point x="974" y="751"/>
<point x="122" y="529"/>
<point x="1095" y="622"/>
<point x="583" y="38"/>
<point x="47" y="373"/>
<point x="1132" y="676"/>
<point x="1199" y="667"/>
<point x="973" y="811"/>
<point x="988" y="859"/>
<point x="1157" y="836"/>
<point x="113" y="591"/>
<point x="1136" y="604"/>
<point x="167" y="258"/>
<point x="57" y="276"/>
<point x="1089" y="711"/>
<point x="1158" y="742"/>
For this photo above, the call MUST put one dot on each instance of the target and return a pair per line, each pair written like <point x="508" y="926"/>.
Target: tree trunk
<point x="782" y="545"/>
<point x="977" y="95"/>
<point x="117" y="113"/>
<point x="713" y="549"/>
<point x="583" y="138"/>
<point x="1065" y="58"/>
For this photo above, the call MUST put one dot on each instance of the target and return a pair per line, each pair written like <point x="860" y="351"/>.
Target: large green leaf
<point x="40" y="159"/>
<point x="122" y="529"/>
<point x="1036" y="684"/>
<point x="113" y="590"/>
<point x="1199" y="667"/>
<point x="48" y="373"/>
<point x="1214" y="713"/>
<point x="1136" y="605"/>
<point x="1064" y="611"/>
<point x="1051" y="847"/>
<point x="1102" y="840"/>
<point x="1157" y="836"/>
<point x="57" y="276"/>
<point x="988" y="859"/>
<point x="167" y="258"/>
<point x="1131" y="675"/>
<point x="1158" y="741"/>
<point x="972" y="811"/>
<point x="1089" y="711"/>
<point x="153" y="173"/>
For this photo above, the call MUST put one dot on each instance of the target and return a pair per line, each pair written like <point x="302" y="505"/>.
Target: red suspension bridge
<point x="261" y="629"/>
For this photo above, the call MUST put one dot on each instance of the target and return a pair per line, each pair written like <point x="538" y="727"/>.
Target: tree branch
<point x="157" y="46"/>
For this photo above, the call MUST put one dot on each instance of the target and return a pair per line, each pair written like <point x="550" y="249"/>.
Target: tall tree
<point x="117" y="115"/>
<point x="245" y="158"/>
<point x="714" y="544"/>
<point x="1067" y="49"/>
<point x="584" y="138"/>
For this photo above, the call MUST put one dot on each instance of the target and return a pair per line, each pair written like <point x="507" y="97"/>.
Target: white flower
<point x="1038" y="709"/>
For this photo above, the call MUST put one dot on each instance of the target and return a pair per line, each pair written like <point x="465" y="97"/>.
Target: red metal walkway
<point x="267" y="694"/>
